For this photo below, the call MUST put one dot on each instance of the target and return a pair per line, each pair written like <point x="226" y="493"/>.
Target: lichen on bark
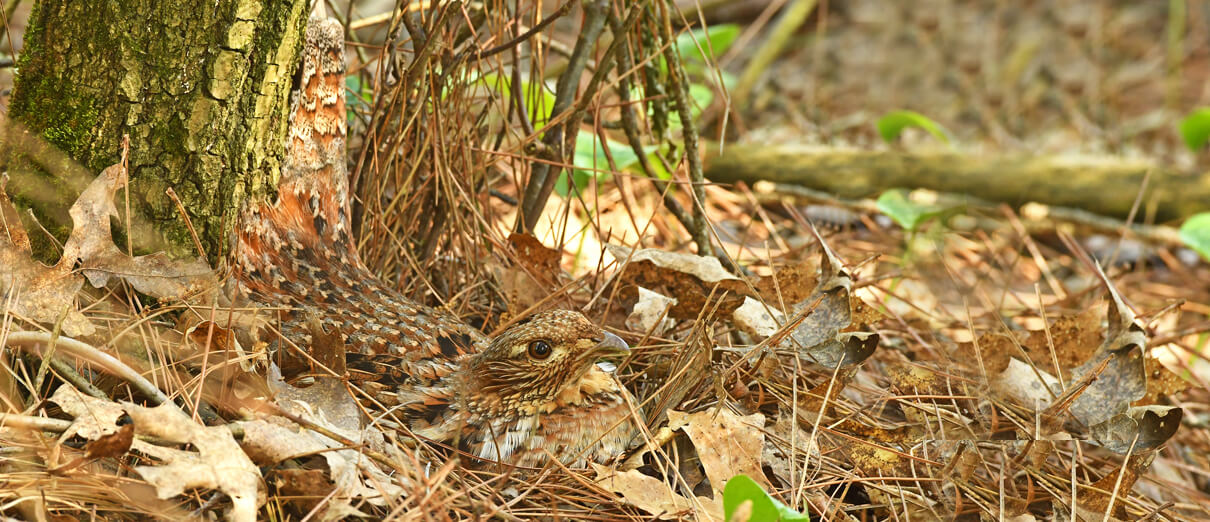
<point x="200" y="86"/>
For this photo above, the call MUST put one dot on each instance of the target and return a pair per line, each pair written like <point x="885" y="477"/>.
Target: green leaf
<point x="764" y="507"/>
<point x="700" y="97"/>
<point x="357" y="95"/>
<point x="896" y="204"/>
<point x="729" y="80"/>
<point x="717" y="39"/>
<point x="891" y="125"/>
<point x="1195" y="233"/>
<point x="538" y="97"/>
<point x="1195" y="129"/>
<point x="713" y="43"/>
<point x="591" y="163"/>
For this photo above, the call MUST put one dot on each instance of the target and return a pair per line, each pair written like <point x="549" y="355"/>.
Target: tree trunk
<point x="200" y="86"/>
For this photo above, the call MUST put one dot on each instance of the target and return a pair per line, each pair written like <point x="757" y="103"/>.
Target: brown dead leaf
<point x="817" y="321"/>
<point x="1075" y="337"/>
<point x="306" y="487"/>
<point x="1093" y="502"/>
<point x="688" y="278"/>
<point x="532" y="276"/>
<point x="1161" y="382"/>
<point x="995" y="352"/>
<point x="902" y="435"/>
<point x="328" y="404"/>
<point x="1034" y="389"/>
<point x="813" y="400"/>
<point x="113" y="445"/>
<point x="757" y="318"/>
<point x="1123" y="381"/>
<point x="875" y="461"/>
<point x="217" y="463"/>
<point x="97" y="421"/>
<point x="653" y="495"/>
<point x="92" y="418"/>
<point x="38" y="292"/>
<point x="783" y="446"/>
<point x="789" y="284"/>
<point x="44" y="294"/>
<point x="91" y="243"/>
<point x="520" y="288"/>
<point x="1139" y="429"/>
<point x="650" y="313"/>
<point x="727" y="444"/>
<point x="863" y="314"/>
<point x="917" y="379"/>
<point x="537" y="257"/>
<point x="221" y="339"/>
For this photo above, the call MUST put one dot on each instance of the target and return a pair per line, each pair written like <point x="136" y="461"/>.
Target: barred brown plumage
<point x="535" y="390"/>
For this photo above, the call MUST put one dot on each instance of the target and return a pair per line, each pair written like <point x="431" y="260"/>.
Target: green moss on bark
<point x="201" y="87"/>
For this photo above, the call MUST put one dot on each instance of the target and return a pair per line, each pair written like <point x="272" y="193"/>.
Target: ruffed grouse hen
<point x="534" y="391"/>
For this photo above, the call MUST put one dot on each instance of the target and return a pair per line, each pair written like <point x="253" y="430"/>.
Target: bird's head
<point x="539" y="360"/>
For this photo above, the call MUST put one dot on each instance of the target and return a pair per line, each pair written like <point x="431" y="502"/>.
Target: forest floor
<point x="975" y="365"/>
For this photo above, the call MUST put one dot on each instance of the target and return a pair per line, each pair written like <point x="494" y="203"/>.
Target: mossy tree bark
<point x="200" y="86"/>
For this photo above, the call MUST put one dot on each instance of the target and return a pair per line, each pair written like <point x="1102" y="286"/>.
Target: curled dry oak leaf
<point x="91" y="242"/>
<point x="1141" y="428"/>
<point x="38" y="292"/>
<point x="44" y="294"/>
<point x="653" y="495"/>
<point x="650" y="313"/>
<point x="816" y="324"/>
<point x="1100" y="391"/>
<point x="217" y="463"/>
<point x="688" y="278"/>
<point x="1124" y="378"/>
<point x="326" y="403"/>
<point x="727" y="445"/>
<point x="92" y="418"/>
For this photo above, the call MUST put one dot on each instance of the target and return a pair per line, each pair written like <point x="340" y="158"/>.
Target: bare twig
<point x="33" y="422"/>
<point x="541" y="179"/>
<point x="680" y="95"/>
<point x="630" y="127"/>
<point x="36" y="342"/>
<point x="512" y="44"/>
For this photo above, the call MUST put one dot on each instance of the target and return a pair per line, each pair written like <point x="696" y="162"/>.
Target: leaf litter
<point x="830" y="385"/>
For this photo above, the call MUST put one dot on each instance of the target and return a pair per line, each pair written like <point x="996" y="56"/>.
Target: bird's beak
<point x="612" y="345"/>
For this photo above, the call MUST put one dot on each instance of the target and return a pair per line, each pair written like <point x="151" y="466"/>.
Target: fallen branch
<point x="37" y="342"/>
<point x="1106" y="186"/>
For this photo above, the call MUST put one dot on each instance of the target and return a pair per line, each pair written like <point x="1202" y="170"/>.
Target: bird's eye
<point x="539" y="349"/>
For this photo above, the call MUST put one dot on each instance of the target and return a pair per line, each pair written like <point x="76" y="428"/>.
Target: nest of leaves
<point x="864" y="373"/>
